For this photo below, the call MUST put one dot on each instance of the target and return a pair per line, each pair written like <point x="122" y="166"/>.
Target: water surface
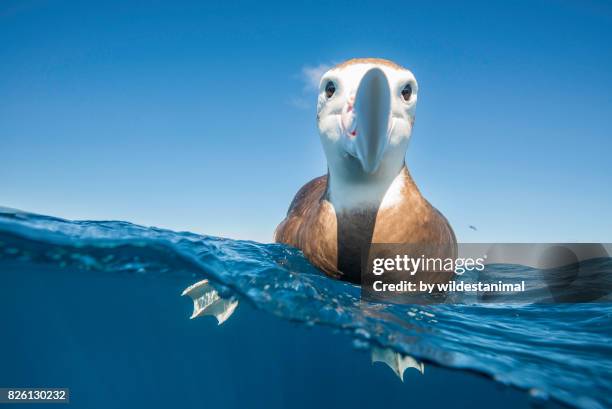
<point x="96" y="306"/>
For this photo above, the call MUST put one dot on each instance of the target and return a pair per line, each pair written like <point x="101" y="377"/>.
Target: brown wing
<point x="310" y="225"/>
<point x="306" y="200"/>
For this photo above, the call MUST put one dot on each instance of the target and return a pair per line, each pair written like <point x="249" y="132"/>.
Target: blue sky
<point x="200" y="116"/>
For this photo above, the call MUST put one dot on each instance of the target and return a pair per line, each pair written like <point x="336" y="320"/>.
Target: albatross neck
<point x="351" y="189"/>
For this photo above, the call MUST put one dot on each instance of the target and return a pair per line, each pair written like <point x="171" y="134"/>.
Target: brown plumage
<point x="336" y="242"/>
<point x="379" y="61"/>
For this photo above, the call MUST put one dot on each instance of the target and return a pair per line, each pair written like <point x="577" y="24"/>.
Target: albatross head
<point x="365" y="113"/>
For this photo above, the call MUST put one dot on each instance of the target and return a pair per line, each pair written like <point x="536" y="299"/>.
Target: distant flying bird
<point x="473" y="227"/>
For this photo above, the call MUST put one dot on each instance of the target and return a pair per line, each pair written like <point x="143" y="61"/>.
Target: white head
<point x="365" y="114"/>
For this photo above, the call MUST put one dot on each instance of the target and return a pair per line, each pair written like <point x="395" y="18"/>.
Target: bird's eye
<point x="330" y="88"/>
<point x="407" y="92"/>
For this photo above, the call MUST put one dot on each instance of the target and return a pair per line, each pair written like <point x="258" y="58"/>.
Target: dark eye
<point x="330" y="88"/>
<point x="407" y="92"/>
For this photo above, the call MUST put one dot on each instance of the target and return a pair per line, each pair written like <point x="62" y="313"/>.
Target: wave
<point x="560" y="351"/>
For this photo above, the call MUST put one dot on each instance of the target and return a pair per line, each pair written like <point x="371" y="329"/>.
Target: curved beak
<point x="372" y="111"/>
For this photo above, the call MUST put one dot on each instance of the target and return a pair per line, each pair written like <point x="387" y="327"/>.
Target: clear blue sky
<point x="199" y="115"/>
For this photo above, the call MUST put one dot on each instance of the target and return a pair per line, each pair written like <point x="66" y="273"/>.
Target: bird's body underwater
<point x="365" y="114"/>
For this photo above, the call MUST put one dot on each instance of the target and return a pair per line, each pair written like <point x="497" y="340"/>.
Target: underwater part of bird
<point x="396" y="361"/>
<point x="206" y="301"/>
<point x="365" y="114"/>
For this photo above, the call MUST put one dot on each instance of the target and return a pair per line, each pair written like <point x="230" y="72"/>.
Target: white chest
<point x="358" y="195"/>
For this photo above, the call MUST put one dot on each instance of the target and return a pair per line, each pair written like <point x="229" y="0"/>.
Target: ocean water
<point x="97" y="307"/>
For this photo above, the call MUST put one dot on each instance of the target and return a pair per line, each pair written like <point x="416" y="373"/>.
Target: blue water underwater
<point x="97" y="307"/>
